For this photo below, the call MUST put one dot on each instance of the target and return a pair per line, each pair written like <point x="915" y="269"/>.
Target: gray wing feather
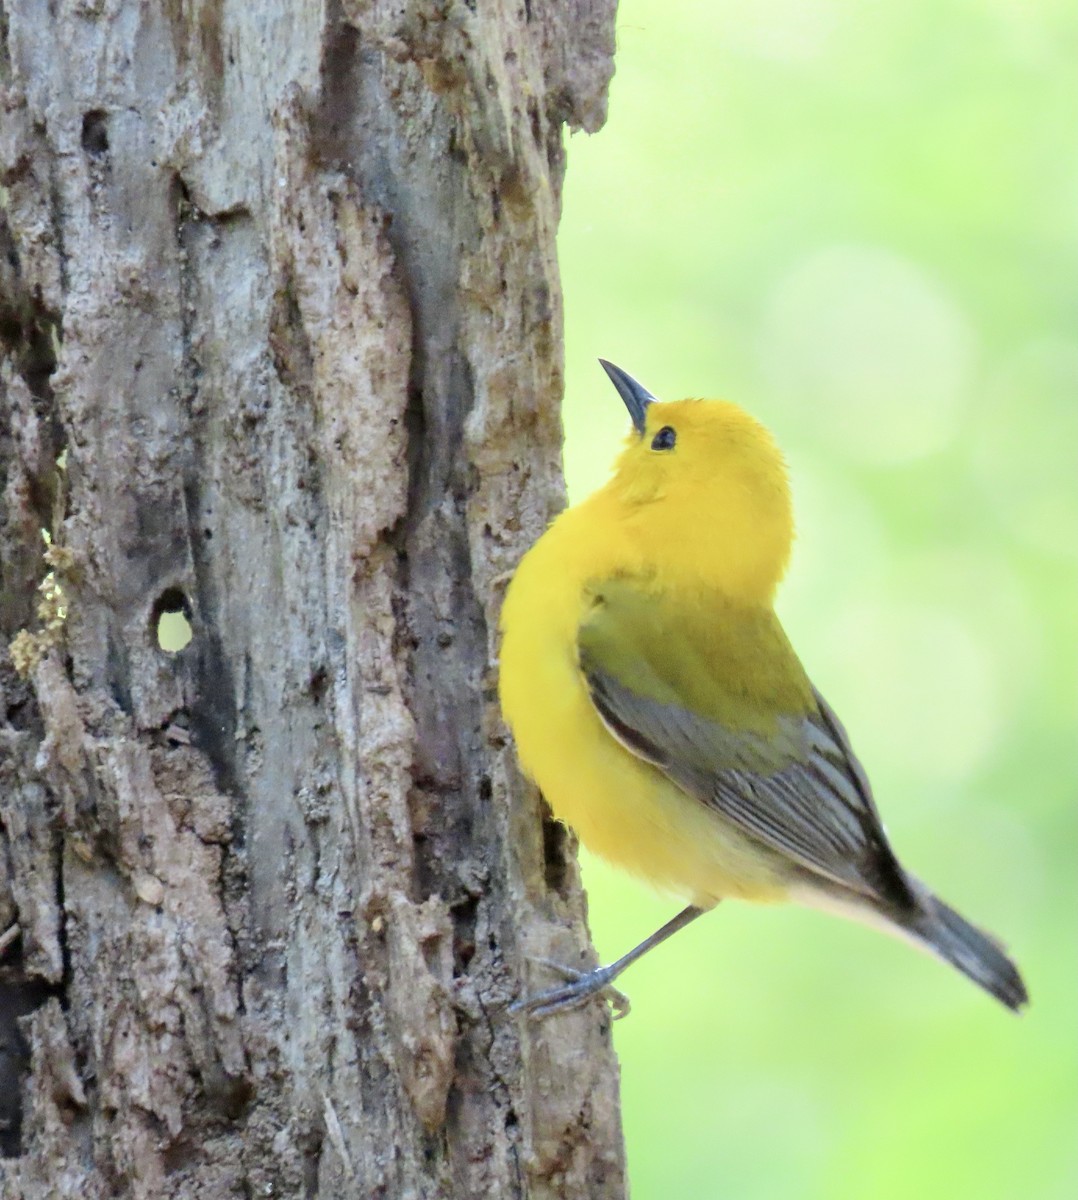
<point x="802" y="793"/>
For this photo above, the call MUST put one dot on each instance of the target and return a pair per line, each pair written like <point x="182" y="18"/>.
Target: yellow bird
<point x="658" y="704"/>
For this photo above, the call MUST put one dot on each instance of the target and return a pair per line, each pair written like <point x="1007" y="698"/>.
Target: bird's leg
<point x="619" y="1002"/>
<point x="585" y="984"/>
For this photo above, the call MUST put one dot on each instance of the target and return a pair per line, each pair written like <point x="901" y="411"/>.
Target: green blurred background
<point x="858" y="221"/>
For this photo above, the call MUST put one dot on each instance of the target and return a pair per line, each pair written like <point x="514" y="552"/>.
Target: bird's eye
<point x="664" y="439"/>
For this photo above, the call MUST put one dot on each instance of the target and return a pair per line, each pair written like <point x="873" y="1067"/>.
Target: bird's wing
<point x="716" y="699"/>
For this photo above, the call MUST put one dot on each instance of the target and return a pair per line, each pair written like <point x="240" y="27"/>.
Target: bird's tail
<point x="976" y="954"/>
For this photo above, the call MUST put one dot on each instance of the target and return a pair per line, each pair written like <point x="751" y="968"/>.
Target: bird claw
<point x="582" y="986"/>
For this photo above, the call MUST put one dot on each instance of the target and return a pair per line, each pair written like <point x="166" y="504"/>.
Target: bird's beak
<point x="636" y="396"/>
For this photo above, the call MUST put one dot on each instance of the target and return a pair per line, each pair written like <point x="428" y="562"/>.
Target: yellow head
<point x="703" y="490"/>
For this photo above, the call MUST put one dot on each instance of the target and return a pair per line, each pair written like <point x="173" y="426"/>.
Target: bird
<point x="659" y="706"/>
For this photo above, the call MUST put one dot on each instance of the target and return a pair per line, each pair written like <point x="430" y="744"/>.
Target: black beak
<point x="636" y="396"/>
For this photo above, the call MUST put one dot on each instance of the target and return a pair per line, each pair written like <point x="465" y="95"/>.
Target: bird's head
<point x="704" y="489"/>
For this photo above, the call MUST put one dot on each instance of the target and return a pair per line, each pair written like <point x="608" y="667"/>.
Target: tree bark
<point x="280" y="321"/>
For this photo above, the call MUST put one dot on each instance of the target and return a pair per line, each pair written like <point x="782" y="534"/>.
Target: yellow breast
<point x="622" y="808"/>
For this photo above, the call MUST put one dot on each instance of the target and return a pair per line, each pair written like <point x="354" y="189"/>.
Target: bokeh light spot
<point x="871" y="351"/>
<point x="932" y="703"/>
<point x="787" y="31"/>
<point x="839" y="540"/>
<point x="1025" y="445"/>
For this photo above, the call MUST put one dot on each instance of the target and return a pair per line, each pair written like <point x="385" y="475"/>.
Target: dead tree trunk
<point x="280" y="322"/>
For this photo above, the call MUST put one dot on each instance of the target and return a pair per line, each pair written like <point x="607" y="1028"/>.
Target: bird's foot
<point x="582" y="986"/>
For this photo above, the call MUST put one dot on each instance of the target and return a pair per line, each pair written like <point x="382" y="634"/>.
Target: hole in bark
<point x="464" y="916"/>
<point x="554" y="854"/>
<point x="95" y="132"/>
<point x="536" y="123"/>
<point x="171" y="620"/>
<point x="18" y="999"/>
<point x="179" y="1155"/>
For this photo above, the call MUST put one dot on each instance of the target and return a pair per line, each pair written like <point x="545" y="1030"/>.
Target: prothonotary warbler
<point x="658" y="704"/>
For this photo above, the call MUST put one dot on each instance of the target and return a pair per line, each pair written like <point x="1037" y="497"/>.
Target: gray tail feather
<point x="977" y="955"/>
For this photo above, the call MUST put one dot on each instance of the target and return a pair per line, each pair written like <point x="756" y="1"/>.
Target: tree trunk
<point x="280" y="321"/>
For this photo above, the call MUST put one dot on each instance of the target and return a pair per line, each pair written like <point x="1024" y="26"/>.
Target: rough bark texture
<point x="280" y="321"/>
